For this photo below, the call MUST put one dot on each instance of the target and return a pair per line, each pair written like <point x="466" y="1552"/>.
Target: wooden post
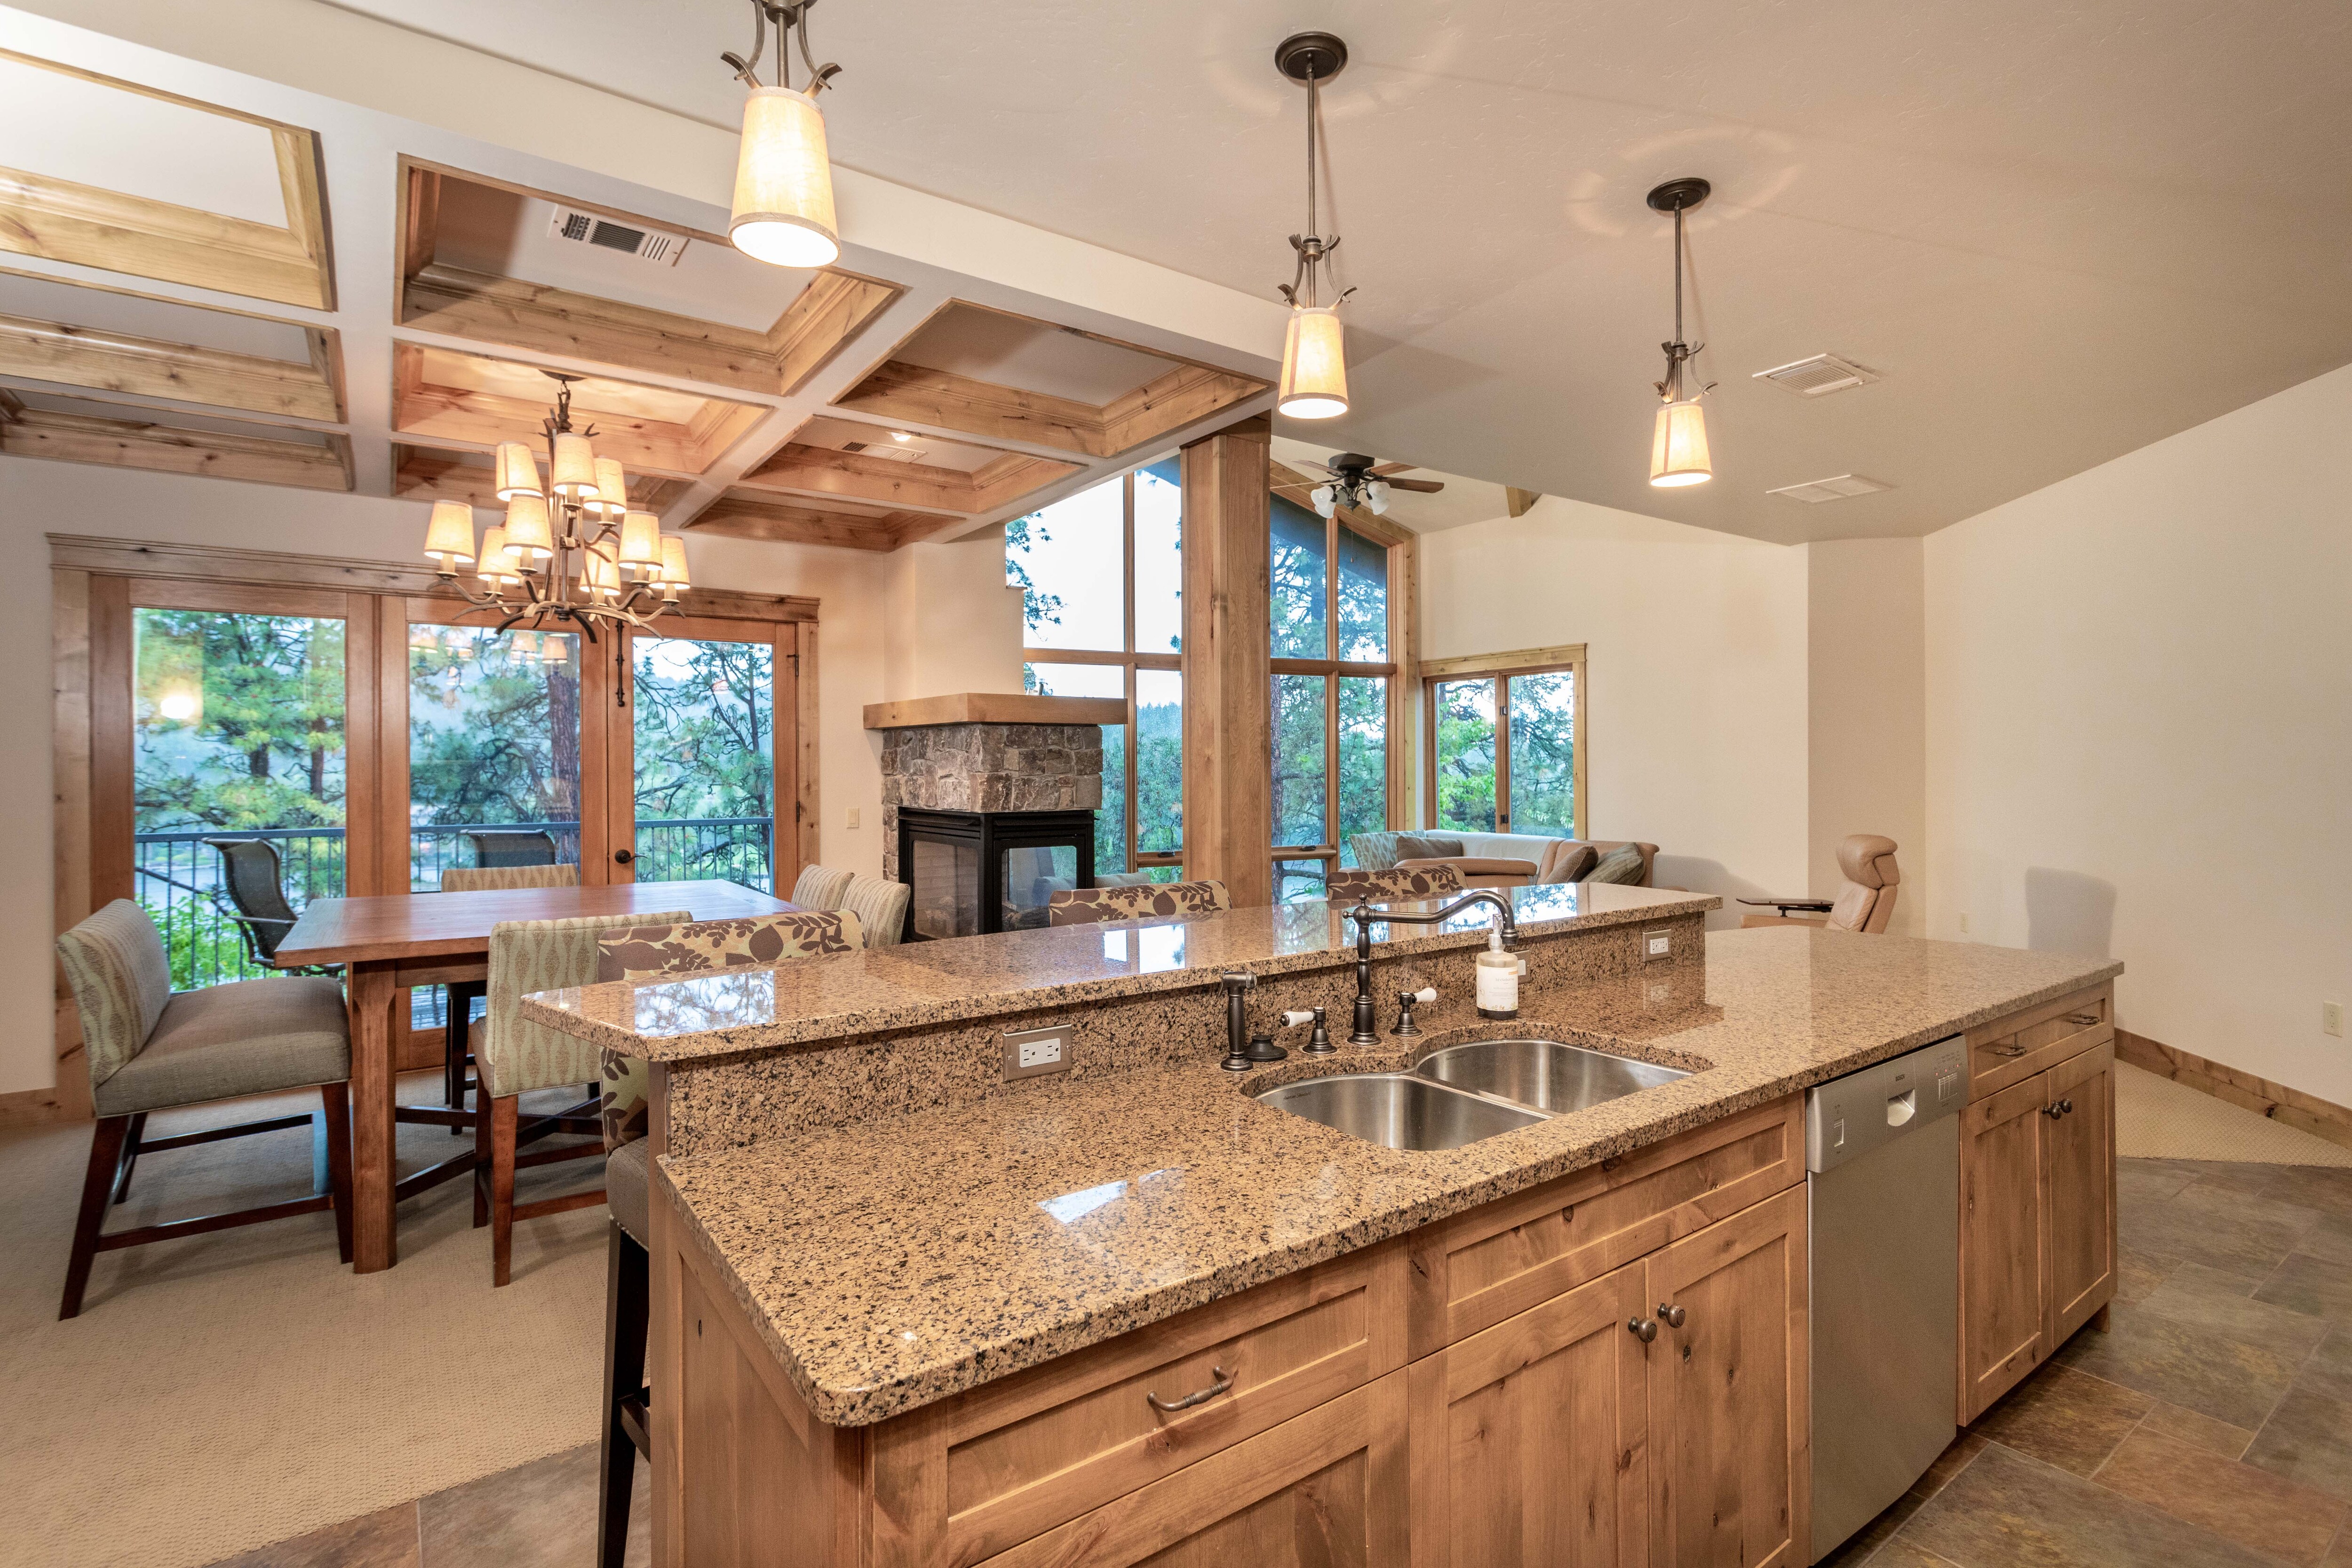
<point x="1228" y="684"/>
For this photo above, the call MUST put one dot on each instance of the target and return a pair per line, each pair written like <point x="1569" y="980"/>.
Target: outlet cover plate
<point x="1657" y="944"/>
<point x="1029" y="1052"/>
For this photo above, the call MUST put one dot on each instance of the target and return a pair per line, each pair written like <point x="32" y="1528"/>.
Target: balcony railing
<point x="179" y="877"/>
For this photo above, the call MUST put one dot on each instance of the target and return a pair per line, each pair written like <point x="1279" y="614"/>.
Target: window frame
<point x="1500" y="667"/>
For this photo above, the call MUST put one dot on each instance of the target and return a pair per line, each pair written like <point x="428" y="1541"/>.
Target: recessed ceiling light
<point x="1837" y="486"/>
<point x="901" y="435"/>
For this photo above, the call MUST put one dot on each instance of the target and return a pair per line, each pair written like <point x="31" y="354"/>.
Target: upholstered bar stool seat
<point x="249" y="1037"/>
<point x="1136" y="901"/>
<point x="628" y="1188"/>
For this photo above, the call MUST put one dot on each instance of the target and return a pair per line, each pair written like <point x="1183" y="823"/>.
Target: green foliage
<point x="1465" y="755"/>
<point x="1543" y="753"/>
<point x="1038" y="609"/>
<point x="237" y="720"/>
<point x="494" y="726"/>
<point x="704" y="729"/>
<point x="1158" y="777"/>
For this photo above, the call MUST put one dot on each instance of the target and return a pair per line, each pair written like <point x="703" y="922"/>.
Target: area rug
<point x="2159" y="1119"/>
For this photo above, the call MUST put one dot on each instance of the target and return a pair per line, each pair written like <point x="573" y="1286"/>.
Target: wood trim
<point x="393" y="615"/>
<point x="103" y="361"/>
<point x="158" y="446"/>
<point x="835" y="307"/>
<point x="1228" y="718"/>
<point x="70" y="653"/>
<point x="798" y="469"/>
<point x="994" y="707"/>
<point x="1520" y="661"/>
<point x="1504" y="666"/>
<point x="2235" y="1086"/>
<point x="1520" y="502"/>
<point x="233" y="598"/>
<point x="804" y="737"/>
<point x="738" y="516"/>
<point x="111" y="678"/>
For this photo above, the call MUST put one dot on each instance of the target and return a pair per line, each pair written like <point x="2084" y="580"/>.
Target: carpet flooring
<point x="2157" y="1119"/>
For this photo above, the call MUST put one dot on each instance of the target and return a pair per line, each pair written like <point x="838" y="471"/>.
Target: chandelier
<point x="570" y="550"/>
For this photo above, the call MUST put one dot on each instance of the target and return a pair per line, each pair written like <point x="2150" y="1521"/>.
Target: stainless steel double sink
<point x="1463" y="1093"/>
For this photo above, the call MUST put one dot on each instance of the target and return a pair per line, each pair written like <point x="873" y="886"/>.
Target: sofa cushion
<point x="1622" y="864"/>
<point x="249" y="1037"/>
<point x="1420" y="846"/>
<point x="1374" y="851"/>
<point x="1565" y="860"/>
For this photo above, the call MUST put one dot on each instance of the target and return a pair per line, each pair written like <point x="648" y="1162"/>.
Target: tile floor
<point x="2212" y="1425"/>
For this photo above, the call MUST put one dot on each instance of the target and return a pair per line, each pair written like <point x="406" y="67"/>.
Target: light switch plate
<point x="1029" y="1052"/>
<point x="1657" y="944"/>
<point x="851" y="820"/>
<point x="2331" y="1018"/>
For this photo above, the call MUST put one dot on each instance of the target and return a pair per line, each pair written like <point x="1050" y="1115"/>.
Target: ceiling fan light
<point x="527" y="537"/>
<point x="641" y="542"/>
<point x="574" y="473"/>
<point x="1376" y="495"/>
<point x="782" y="213"/>
<point x="517" y="471"/>
<point x="612" y="489"/>
<point x="1314" y="364"/>
<point x="1679" y="454"/>
<point x="449" y="535"/>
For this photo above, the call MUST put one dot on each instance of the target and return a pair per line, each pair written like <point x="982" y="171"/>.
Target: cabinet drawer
<point x="1472" y="1272"/>
<point x="971" y="1476"/>
<point x="2011" y="1049"/>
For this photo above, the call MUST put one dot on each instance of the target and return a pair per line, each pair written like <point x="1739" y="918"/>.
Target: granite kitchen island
<point x="908" y="1311"/>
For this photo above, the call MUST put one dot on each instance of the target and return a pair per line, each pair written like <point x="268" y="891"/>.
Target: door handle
<point x="623" y="857"/>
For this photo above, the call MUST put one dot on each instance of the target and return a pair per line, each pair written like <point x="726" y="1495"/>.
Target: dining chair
<point x="821" y="887"/>
<point x="507" y="849"/>
<point x="517" y="1056"/>
<point x="149" y="1049"/>
<point x="1351" y="886"/>
<point x="459" y="996"/>
<point x="648" y="952"/>
<point x="256" y="878"/>
<point x="1084" y="906"/>
<point x="881" y="909"/>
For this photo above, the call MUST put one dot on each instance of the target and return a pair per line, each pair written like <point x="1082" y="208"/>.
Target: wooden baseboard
<point x="2308" y="1112"/>
<point x="39" y="1108"/>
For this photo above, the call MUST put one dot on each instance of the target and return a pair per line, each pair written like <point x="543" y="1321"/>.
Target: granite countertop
<point x="895" y="1262"/>
<point x="926" y="984"/>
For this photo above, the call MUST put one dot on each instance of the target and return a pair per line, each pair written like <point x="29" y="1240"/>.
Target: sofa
<point x="1497" y="859"/>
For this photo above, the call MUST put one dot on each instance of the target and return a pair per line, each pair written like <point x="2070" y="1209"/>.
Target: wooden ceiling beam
<point x="903" y="394"/>
<point x="1183" y="396"/>
<point x="165" y="448"/>
<point x="744" y="517"/>
<point x="1520" y="501"/>
<point x="470" y="417"/>
<point x="820" y="471"/>
<point x="148" y="368"/>
<point x="546" y="320"/>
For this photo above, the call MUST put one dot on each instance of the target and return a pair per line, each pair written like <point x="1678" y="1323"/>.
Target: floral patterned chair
<point x="1142" y="900"/>
<point x="1351" y="886"/>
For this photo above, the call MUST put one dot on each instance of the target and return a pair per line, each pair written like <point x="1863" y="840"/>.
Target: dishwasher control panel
<point x="1854" y="1114"/>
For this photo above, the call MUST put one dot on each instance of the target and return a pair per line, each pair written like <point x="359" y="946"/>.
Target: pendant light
<point x="1679" y="454"/>
<point x="784" y="177"/>
<point x="1314" y="348"/>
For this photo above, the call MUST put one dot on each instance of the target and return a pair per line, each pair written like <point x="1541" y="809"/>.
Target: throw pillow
<point x="1413" y="847"/>
<point x="1622" y="864"/>
<point x="1570" y="863"/>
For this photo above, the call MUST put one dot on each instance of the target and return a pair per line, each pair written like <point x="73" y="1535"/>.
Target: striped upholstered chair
<point x="150" y="1049"/>
<point x="1351" y="886"/>
<point x="456" y="1052"/>
<point x="651" y="952"/>
<point x="1138" y="901"/>
<point x="517" y="1056"/>
<point x="881" y="907"/>
<point x="821" y="887"/>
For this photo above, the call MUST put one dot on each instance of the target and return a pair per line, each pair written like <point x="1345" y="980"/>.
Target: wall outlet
<point x="2331" y="1018"/>
<point x="850" y="819"/>
<point x="1657" y="944"/>
<point x="1028" y="1052"/>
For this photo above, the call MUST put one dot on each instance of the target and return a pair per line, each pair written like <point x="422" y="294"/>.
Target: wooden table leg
<point x="375" y="999"/>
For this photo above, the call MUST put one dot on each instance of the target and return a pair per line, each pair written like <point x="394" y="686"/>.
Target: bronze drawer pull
<point x="2009" y="1050"/>
<point x="1198" y="1396"/>
<point x="2082" y="1020"/>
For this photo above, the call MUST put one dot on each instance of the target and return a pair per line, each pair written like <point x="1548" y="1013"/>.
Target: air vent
<point x="1838" y="487"/>
<point x="889" y="451"/>
<point x="1818" y="376"/>
<point x="645" y="244"/>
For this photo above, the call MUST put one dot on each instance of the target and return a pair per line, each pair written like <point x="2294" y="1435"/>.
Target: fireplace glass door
<point x="946" y="882"/>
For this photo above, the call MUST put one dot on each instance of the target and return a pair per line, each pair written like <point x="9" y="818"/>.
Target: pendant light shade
<point x="1314" y="364"/>
<point x="449" y="536"/>
<point x="527" y="535"/>
<point x="598" y="572"/>
<point x="612" y="489"/>
<point x="673" y="566"/>
<point x="498" y="563"/>
<point x="517" y="471"/>
<point x="574" y="470"/>
<point x="1678" y="453"/>
<point x="784" y="184"/>
<point x="640" y="542"/>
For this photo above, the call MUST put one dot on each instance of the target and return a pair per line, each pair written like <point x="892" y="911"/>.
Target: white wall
<point x="37" y="498"/>
<point x="2139" y="726"/>
<point x="1696" y="651"/>
<point x="1867" y="735"/>
<point x="952" y="624"/>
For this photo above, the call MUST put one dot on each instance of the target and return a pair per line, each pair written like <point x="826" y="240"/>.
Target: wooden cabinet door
<point x="2004" y="1251"/>
<point x="1325" y="1490"/>
<point x="1529" y="1439"/>
<point x="2078" y="1189"/>
<point x="1730" y="1423"/>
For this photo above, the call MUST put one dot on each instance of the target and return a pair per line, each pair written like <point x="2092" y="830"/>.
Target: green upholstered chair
<point x="881" y="907"/>
<point x="821" y="887"/>
<point x="150" y="1049"/>
<point x="650" y="952"/>
<point x="1348" y="886"/>
<point x="515" y="1057"/>
<point x="457" y="1050"/>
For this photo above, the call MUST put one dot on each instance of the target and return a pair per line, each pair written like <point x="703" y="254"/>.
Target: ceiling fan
<point x="1359" y="480"/>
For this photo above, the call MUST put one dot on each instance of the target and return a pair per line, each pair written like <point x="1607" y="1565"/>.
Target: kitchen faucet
<point x="1365" y="1031"/>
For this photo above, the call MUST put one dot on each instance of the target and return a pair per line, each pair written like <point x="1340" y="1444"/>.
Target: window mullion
<point x="1502" y="753"/>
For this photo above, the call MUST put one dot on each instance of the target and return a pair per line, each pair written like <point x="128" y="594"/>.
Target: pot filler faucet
<point x="1363" y="914"/>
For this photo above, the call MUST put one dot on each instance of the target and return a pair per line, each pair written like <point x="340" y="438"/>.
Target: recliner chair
<point x="1866" y="901"/>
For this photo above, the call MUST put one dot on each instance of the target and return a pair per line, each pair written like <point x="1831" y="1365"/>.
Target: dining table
<point x="389" y="944"/>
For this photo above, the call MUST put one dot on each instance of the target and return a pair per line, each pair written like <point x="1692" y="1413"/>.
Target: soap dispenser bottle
<point x="1498" y="979"/>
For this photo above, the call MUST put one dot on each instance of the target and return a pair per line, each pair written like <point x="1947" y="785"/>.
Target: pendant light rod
<point x="1314" y="352"/>
<point x="792" y="26"/>
<point x="1678" y="452"/>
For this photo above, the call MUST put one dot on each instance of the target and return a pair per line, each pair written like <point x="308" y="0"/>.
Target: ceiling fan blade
<point x="1382" y="470"/>
<point x="1424" y="487"/>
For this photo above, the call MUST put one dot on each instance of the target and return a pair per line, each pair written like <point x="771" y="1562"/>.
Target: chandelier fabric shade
<point x="498" y="563"/>
<point x="599" y="572"/>
<point x="449" y="535"/>
<point x="783" y="212"/>
<point x="517" y="471"/>
<point x="673" y="575"/>
<point x="641" y="541"/>
<point x="1679" y="454"/>
<point x="527" y="534"/>
<point x="612" y="489"/>
<point x="573" y="472"/>
<point x="1314" y="364"/>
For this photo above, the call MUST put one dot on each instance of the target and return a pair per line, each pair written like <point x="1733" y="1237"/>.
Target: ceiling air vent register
<point x="1818" y="376"/>
<point x="645" y="244"/>
<point x="1837" y="486"/>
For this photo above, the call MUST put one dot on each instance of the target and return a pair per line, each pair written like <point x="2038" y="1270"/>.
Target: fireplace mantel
<point x="994" y="707"/>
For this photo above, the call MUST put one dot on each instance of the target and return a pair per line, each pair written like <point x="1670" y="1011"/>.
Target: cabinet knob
<point x="1642" y="1329"/>
<point x="2063" y="1108"/>
<point x="1671" y="1315"/>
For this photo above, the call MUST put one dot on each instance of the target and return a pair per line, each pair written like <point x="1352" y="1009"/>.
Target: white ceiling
<point x="2060" y="232"/>
<point x="69" y="128"/>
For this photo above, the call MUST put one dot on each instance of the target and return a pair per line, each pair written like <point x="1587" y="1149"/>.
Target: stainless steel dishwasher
<point x="1883" y="1188"/>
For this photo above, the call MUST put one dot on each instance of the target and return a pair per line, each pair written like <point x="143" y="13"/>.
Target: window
<point x="1331" y="631"/>
<point x="1507" y="742"/>
<point x="1102" y="579"/>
